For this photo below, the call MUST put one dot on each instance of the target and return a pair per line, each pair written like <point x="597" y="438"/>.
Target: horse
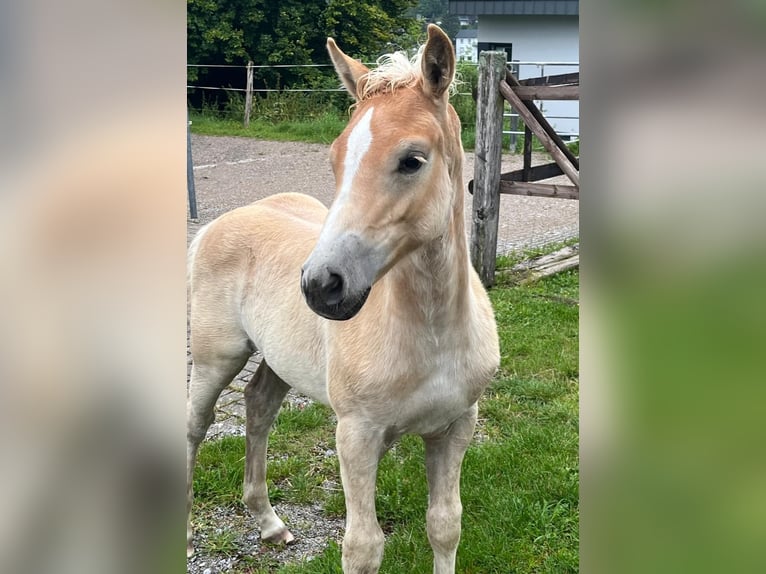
<point x="371" y="307"/>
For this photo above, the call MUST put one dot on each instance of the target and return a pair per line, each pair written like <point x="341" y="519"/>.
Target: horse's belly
<point x="283" y="232"/>
<point x="299" y="371"/>
<point x="289" y="336"/>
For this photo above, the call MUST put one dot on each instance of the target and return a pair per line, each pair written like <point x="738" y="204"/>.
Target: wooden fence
<point x="496" y="85"/>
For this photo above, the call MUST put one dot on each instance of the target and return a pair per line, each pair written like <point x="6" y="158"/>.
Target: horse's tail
<point x="191" y="253"/>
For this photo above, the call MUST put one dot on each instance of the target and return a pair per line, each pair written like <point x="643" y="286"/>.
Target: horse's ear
<point x="349" y="70"/>
<point x="438" y="62"/>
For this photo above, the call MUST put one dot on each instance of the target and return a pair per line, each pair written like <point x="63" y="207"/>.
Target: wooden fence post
<point x="248" y="93"/>
<point x="527" y="169"/>
<point x="486" y="177"/>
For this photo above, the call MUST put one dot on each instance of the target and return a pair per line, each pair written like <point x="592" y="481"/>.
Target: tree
<point x="368" y="29"/>
<point x="292" y="32"/>
<point x="437" y="12"/>
<point x="215" y="31"/>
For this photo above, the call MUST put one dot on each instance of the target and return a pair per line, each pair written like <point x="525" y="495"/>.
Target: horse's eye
<point x="411" y="164"/>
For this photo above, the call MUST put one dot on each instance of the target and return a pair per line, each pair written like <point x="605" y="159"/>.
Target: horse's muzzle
<point x="326" y="293"/>
<point x="336" y="281"/>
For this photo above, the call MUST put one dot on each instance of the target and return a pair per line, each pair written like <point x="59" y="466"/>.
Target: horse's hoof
<point x="281" y="538"/>
<point x="189" y="550"/>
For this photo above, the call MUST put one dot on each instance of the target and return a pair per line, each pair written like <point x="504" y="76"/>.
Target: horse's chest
<point x="440" y="394"/>
<point x="419" y="383"/>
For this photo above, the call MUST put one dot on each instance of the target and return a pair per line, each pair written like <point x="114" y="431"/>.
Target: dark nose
<point x="325" y="287"/>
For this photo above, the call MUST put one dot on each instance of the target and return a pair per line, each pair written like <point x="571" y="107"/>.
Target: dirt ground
<point x="230" y="172"/>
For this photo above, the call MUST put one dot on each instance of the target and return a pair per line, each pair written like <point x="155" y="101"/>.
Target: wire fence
<point x="303" y="102"/>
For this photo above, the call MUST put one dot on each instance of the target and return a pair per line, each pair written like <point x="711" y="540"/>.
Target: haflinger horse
<point x="372" y="307"/>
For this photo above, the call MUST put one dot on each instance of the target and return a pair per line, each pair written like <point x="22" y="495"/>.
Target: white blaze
<point x="357" y="145"/>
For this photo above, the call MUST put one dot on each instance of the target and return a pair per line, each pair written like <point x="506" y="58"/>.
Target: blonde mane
<point x="393" y="71"/>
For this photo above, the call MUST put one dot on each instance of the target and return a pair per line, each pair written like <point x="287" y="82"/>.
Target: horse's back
<point x="297" y="207"/>
<point x="276" y="232"/>
<point x="277" y="225"/>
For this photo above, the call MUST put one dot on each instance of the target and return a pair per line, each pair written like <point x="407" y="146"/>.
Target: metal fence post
<point x="190" y="173"/>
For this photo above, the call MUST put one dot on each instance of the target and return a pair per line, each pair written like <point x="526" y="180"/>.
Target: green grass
<point x="520" y="479"/>
<point x="323" y="129"/>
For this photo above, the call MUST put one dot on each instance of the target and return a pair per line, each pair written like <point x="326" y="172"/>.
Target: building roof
<point x="468" y="34"/>
<point x="516" y="7"/>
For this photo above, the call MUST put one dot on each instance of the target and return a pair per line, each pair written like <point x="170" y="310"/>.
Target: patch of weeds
<point x="220" y="541"/>
<point x="220" y="471"/>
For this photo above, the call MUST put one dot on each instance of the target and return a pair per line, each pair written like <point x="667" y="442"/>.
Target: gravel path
<point x="230" y="172"/>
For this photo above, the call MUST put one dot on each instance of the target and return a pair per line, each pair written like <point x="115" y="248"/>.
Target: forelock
<point x="393" y="71"/>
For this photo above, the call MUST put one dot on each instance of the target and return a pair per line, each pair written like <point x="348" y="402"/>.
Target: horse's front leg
<point x="359" y="450"/>
<point x="444" y="458"/>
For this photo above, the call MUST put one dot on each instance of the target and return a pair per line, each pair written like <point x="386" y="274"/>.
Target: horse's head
<point x="394" y="170"/>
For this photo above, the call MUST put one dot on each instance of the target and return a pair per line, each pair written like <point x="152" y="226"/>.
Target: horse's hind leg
<point x="211" y="373"/>
<point x="263" y="398"/>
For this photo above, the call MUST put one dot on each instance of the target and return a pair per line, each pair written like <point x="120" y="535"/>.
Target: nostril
<point x="333" y="289"/>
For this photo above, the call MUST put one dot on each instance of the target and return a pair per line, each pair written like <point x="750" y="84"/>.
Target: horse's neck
<point x="435" y="278"/>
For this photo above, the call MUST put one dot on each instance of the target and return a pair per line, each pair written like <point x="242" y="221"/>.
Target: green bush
<point x="463" y="100"/>
<point x="277" y="106"/>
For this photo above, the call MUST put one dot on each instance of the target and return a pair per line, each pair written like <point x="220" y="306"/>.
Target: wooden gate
<point x="496" y="85"/>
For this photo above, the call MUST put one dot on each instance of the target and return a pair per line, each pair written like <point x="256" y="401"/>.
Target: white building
<point x="466" y="46"/>
<point x="532" y="32"/>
